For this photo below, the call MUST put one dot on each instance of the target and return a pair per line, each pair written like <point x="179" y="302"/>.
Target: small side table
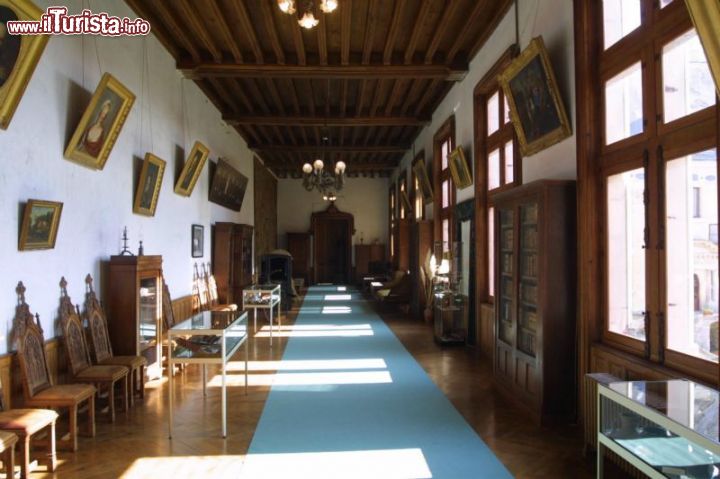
<point x="263" y="296"/>
<point x="450" y="319"/>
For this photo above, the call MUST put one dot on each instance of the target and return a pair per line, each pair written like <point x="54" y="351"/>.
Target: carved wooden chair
<point x="200" y="296"/>
<point x="26" y="423"/>
<point x="102" y="348"/>
<point x="212" y="292"/>
<point x="38" y="388"/>
<point x="7" y="453"/>
<point x="78" y="357"/>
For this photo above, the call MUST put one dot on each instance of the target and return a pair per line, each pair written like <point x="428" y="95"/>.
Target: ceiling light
<point x="286" y="6"/>
<point x="328" y="6"/>
<point x="308" y="21"/>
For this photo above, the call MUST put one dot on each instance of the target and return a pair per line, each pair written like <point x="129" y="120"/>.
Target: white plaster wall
<point x="365" y="198"/>
<point x="97" y="204"/>
<point x="551" y="19"/>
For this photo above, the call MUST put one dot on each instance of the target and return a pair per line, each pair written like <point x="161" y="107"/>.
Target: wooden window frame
<point x="414" y="193"/>
<point x="444" y="133"/>
<point x="392" y="221"/>
<point x="403" y="214"/>
<point x="484" y="144"/>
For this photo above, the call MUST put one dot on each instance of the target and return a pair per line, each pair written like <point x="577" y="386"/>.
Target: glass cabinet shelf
<point x="666" y="429"/>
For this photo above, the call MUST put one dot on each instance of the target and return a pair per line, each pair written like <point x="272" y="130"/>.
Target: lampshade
<point x="328" y="6"/>
<point x="318" y="164"/>
<point x="444" y="267"/>
<point x="307" y="168"/>
<point x="286" y="6"/>
<point x="340" y="166"/>
<point x="308" y="21"/>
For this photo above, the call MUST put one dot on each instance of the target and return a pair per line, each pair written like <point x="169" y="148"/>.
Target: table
<point x="209" y="337"/>
<point x="263" y="296"/>
<point x="663" y="428"/>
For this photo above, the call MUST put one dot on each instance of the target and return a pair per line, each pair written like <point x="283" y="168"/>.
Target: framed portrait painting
<point x="148" y="190"/>
<point x="19" y="55"/>
<point x="536" y="109"/>
<point x="40" y="223"/>
<point x="228" y="186"/>
<point x="192" y="169"/>
<point x="459" y="169"/>
<point x="197" y="241"/>
<point x="101" y="123"/>
<point x="424" y="180"/>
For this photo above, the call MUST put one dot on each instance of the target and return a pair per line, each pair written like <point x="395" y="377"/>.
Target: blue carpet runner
<point x="350" y="402"/>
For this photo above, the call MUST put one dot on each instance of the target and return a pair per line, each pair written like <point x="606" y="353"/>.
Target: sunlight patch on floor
<point x="315" y="327"/>
<point x="338" y="297"/>
<point x="385" y="464"/>
<point x="336" y="310"/>
<point x="304" y="379"/>
<point x="185" y="466"/>
<point x="316" y="334"/>
<point x="308" y="365"/>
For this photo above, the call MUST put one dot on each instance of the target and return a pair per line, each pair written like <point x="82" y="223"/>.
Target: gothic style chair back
<point x="72" y="329"/>
<point x="200" y="290"/>
<point x="102" y="349"/>
<point x="212" y="291"/>
<point x="30" y="348"/>
<point x="168" y="314"/>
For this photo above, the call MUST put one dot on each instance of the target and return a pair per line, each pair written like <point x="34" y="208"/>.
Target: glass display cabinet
<point x="666" y="429"/>
<point x="266" y="297"/>
<point x="209" y="337"/>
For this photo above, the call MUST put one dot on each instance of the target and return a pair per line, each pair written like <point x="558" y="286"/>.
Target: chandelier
<point x="307" y="20"/>
<point x="316" y="177"/>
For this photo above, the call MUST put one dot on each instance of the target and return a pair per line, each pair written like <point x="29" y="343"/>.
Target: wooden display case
<point x="364" y="255"/>
<point x="133" y="298"/>
<point x="534" y="358"/>
<point x="232" y="260"/>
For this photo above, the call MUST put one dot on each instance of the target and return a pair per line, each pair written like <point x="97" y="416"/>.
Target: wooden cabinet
<point x="133" y="299"/>
<point x="402" y="256"/>
<point x="299" y="246"/>
<point x="364" y="255"/>
<point x="232" y="259"/>
<point x="534" y="358"/>
<point x="421" y="242"/>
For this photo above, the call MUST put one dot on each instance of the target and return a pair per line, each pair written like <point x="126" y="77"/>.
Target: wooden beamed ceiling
<point x="367" y="78"/>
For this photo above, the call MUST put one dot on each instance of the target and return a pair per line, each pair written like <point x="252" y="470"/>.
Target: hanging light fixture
<point x="306" y="15"/>
<point x="308" y="20"/>
<point x="328" y="6"/>
<point x="286" y="6"/>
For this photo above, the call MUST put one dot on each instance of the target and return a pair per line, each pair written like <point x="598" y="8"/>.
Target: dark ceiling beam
<point x="196" y="71"/>
<point x="168" y="18"/>
<point x="272" y="32"/>
<point x="159" y="29"/>
<point x="440" y="30"/>
<point x="193" y="19"/>
<point x="356" y="121"/>
<point x="345" y="26"/>
<point x="417" y="30"/>
<point x="219" y="18"/>
<point x="330" y="149"/>
<point x="393" y="31"/>
<point x="247" y="26"/>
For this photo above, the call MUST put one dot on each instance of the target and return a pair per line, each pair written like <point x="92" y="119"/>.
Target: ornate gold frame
<point x="425" y="185"/>
<point x="459" y="169"/>
<point x="535" y="48"/>
<point x="31" y="49"/>
<point x="705" y="15"/>
<point x="186" y="169"/>
<point x="23" y="244"/>
<point x="72" y="152"/>
<point x="149" y="158"/>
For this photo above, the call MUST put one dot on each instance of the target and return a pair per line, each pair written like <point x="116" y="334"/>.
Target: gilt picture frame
<point x="19" y="55"/>
<point x="228" y="186"/>
<point x="459" y="169"/>
<point x="101" y="123"/>
<point x="536" y="109"/>
<point x="192" y="169"/>
<point x="426" y="189"/>
<point x="148" y="189"/>
<point x="40" y="224"/>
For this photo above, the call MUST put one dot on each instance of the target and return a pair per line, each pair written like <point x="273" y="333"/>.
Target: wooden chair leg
<point x="141" y="379"/>
<point x="130" y="386"/>
<point x="91" y="416"/>
<point x="24" y="457"/>
<point x="9" y="463"/>
<point x="51" y="454"/>
<point x="111" y="399"/>
<point x="73" y="427"/>
<point x="126" y="392"/>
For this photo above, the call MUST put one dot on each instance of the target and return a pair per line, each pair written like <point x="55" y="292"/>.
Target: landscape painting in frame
<point x="101" y="123"/>
<point x="192" y="169"/>
<point x="19" y="55"/>
<point x="228" y="186"/>
<point x="425" y="186"/>
<point x="148" y="191"/>
<point x="459" y="169"/>
<point x="40" y="223"/>
<point x="536" y="109"/>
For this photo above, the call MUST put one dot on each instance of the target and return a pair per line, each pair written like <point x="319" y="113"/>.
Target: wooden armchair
<point x="38" y="388"/>
<point x="102" y="349"/>
<point x="212" y="293"/>
<point x="78" y="357"/>
<point x="25" y="423"/>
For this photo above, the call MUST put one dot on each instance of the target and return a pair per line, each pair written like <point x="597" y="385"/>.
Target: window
<point x="392" y="207"/>
<point x="620" y="17"/>
<point x="415" y="192"/>
<point x="496" y="165"/>
<point x="402" y="185"/>
<point x="444" y="143"/>
<point x="623" y="105"/>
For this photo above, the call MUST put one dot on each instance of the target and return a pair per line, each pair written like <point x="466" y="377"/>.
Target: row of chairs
<point x="86" y="378"/>
<point x="205" y="292"/>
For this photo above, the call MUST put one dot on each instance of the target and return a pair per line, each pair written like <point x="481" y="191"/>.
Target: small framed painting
<point x="536" y="108"/>
<point x="19" y="55"/>
<point x="424" y="180"/>
<point x="101" y="123"/>
<point x="148" y="191"/>
<point x="459" y="169"/>
<point x="192" y="169"/>
<point x="40" y="223"/>
<point x="198" y="239"/>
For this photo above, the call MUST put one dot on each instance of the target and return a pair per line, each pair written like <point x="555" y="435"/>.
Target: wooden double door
<point x="332" y="232"/>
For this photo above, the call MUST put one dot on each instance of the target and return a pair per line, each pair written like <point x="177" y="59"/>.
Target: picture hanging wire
<point x="145" y="79"/>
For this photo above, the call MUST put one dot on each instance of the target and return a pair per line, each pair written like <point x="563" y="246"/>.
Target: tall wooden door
<point x="332" y="231"/>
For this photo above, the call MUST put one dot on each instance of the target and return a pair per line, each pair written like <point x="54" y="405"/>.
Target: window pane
<point x="692" y="255"/>
<point x="446" y="234"/>
<point x="626" y="256"/>
<point x="491" y="251"/>
<point x="418" y="201"/>
<point x="623" y="105"/>
<point x="446" y="194"/>
<point x="620" y="18"/>
<point x="445" y="152"/>
<point x="509" y="163"/>
<point x="506" y="109"/>
<point x="493" y="112"/>
<point x="665" y="3"/>
<point x="494" y="169"/>
<point x="687" y="83"/>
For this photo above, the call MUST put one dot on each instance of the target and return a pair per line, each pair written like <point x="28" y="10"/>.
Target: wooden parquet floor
<point x="137" y="444"/>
